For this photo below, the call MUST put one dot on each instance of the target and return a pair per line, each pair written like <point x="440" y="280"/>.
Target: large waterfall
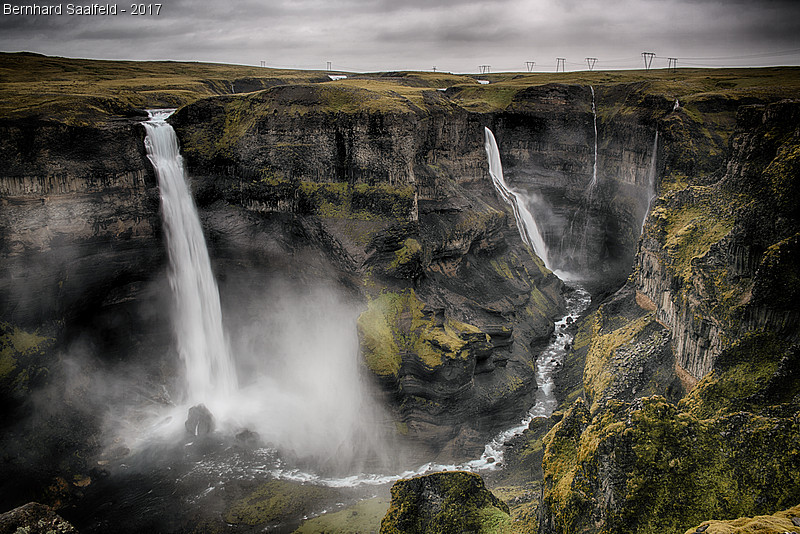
<point x="528" y="229"/>
<point x="210" y="372"/>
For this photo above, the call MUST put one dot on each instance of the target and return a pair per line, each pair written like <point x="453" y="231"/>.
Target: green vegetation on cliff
<point x="648" y="467"/>
<point x="399" y="325"/>
<point x="20" y="358"/>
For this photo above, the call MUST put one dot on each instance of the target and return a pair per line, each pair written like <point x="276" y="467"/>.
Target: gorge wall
<point x="716" y="248"/>
<point x="379" y="187"/>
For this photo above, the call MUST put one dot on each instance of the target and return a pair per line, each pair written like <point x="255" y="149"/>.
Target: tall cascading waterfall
<point x="210" y="371"/>
<point x="528" y="229"/>
<point x="651" y="181"/>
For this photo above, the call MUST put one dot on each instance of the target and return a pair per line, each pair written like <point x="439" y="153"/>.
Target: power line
<point x="744" y="56"/>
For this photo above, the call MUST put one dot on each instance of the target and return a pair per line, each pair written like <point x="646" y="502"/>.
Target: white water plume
<point x="210" y="372"/>
<point x="526" y="224"/>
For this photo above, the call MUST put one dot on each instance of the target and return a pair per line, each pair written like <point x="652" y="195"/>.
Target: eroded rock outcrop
<point x="443" y="502"/>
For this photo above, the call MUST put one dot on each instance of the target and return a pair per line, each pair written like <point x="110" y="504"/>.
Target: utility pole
<point x="591" y="61"/>
<point x="648" y="59"/>
<point x="530" y="65"/>
<point x="673" y="63"/>
<point x="560" y="64"/>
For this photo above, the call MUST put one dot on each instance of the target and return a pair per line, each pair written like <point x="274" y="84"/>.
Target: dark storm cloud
<point x="456" y="35"/>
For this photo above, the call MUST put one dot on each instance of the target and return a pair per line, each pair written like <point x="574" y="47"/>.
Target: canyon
<point x="374" y="192"/>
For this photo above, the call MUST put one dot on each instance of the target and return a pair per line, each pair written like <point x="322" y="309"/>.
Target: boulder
<point x="200" y="421"/>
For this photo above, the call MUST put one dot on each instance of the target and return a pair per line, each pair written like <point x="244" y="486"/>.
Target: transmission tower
<point x="530" y="65"/>
<point x="328" y="66"/>
<point x="484" y="68"/>
<point x="560" y="64"/>
<point x="673" y="63"/>
<point x="263" y="63"/>
<point x="648" y="59"/>
<point x="591" y="61"/>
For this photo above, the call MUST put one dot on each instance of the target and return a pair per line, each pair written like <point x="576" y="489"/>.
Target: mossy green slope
<point x="398" y="325"/>
<point x="277" y="501"/>
<point x="364" y="516"/>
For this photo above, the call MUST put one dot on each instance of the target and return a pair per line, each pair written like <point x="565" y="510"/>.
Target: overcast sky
<point x="452" y="35"/>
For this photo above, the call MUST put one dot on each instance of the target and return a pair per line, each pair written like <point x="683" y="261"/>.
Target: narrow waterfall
<point x="210" y="373"/>
<point x="651" y="181"/>
<point x="528" y="229"/>
<point x="589" y="195"/>
<point x="593" y="183"/>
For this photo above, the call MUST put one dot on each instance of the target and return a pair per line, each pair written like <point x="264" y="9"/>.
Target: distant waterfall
<point x="528" y="229"/>
<point x="210" y="372"/>
<point x="651" y="181"/>
<point x="593" y="183"/>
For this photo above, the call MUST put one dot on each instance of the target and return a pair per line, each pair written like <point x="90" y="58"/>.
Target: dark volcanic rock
<point x="34" y="518"/>
<point x="200" y="421"/>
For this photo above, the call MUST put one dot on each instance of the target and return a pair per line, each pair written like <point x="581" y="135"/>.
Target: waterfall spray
<point x="526" y="224"/>
<point x="210" y="372"/>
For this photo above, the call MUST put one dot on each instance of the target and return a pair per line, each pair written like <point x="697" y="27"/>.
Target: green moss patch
<point x="399" y="325"/>
<point x="364" y="516"/>
<point x="21" y="355"/>
<point x="691" y="226"/>
<point x="778" y="523"/>
<point x="275" y="501"/>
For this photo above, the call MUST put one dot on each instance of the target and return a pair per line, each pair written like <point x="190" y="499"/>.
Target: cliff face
<point x="457" y="304"/>
<point x="712" y="251"/>
<point x="719" y="241"/>
<point x="79" y="218"/>
<point x="433" y="142"/>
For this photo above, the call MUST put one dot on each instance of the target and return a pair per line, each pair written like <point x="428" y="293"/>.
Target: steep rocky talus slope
<point x="716" y="274"/>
